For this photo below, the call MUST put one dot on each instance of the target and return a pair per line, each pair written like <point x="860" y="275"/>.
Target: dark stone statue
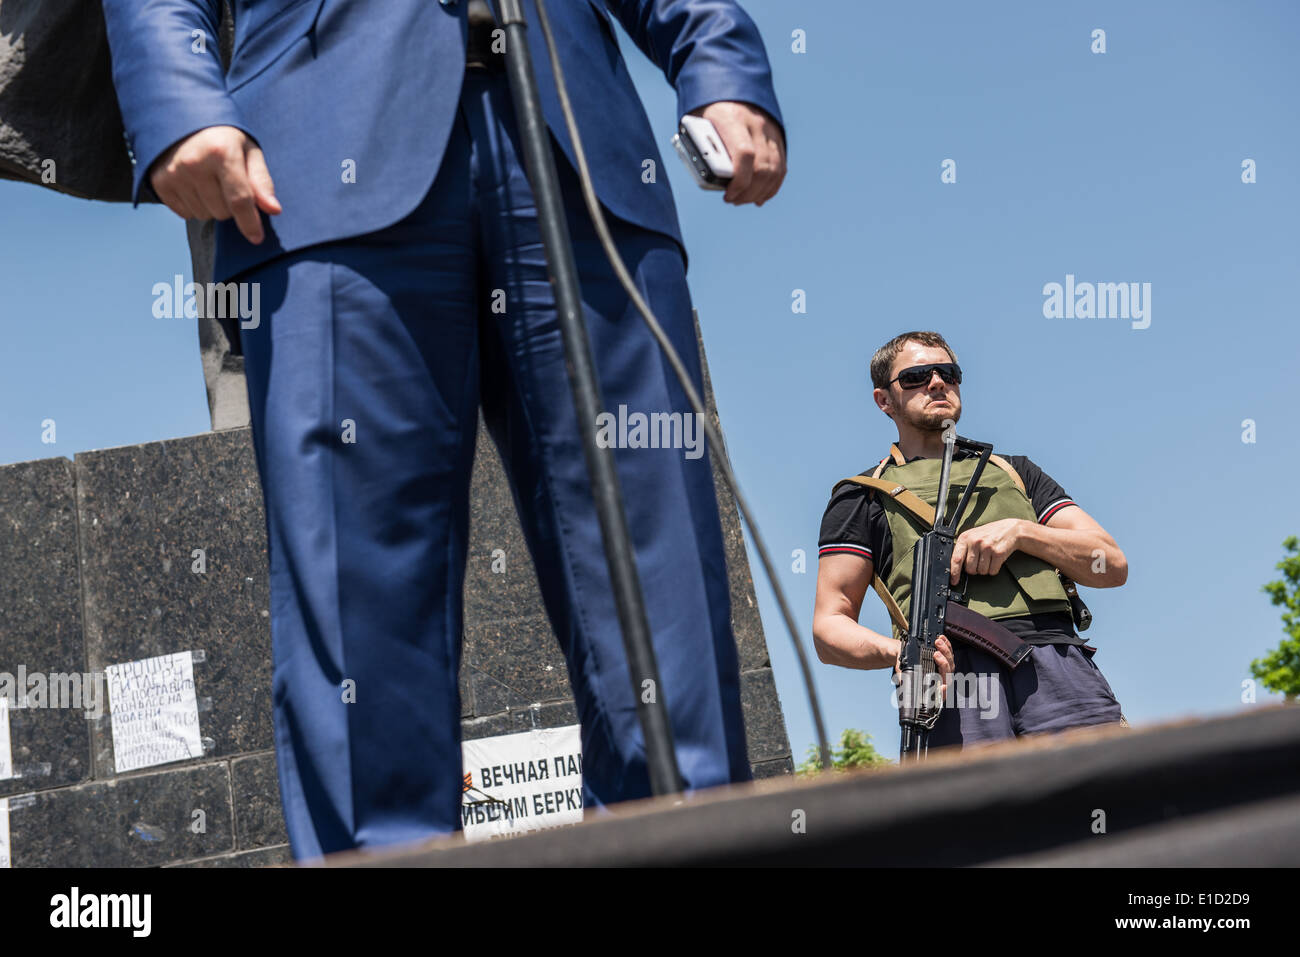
<point x="60" y="128"/>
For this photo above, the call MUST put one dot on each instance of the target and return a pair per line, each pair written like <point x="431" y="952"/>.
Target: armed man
<point x="1021" y="544"/>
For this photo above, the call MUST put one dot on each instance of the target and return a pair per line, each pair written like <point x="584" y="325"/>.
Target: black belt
<point x="478" y="47"/>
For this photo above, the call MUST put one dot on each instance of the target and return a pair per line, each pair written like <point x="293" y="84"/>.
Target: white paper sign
<point x="515" y="783"/>
<point x="6" y="756"/>
<point x="154" y="711"/>
<point x="4" y="832"/>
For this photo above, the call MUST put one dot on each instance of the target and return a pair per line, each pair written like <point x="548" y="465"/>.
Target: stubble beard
<point x="934" y="421"/>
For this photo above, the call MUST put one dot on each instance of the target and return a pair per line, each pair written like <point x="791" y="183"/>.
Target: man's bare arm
<point x="842" y="582"/>
<point x="1071" y="541"/>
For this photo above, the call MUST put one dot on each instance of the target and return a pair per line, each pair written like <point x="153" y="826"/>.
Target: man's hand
<point x="756" y="146"/>
<point x="944" y="661"/>
<point x="217" y="173"/>
<point x="982" y="550"/>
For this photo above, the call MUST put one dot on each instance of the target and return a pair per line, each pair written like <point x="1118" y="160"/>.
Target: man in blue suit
<point x="402" y="283"/>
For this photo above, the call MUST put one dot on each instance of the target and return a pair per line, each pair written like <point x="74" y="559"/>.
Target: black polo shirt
<point x="856" y="524"/>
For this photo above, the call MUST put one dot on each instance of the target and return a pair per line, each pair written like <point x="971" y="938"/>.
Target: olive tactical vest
<point x="1025" y="585"/>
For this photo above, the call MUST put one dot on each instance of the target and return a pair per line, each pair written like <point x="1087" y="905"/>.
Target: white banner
<point x="154" y="711"/>
<point x="4" y="832"/>
<point x="6" y="755"/>
<point x="521" y="782"/>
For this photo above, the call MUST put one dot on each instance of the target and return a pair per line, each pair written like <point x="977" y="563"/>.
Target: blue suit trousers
<point x="365" y="376"/>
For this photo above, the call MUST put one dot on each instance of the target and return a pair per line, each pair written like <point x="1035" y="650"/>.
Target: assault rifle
<point x="939" y="609"/>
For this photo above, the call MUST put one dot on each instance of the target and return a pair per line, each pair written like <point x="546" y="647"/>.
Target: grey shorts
<point x="1056" y="688"/>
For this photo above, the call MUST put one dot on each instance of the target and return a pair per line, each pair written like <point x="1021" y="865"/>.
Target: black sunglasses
<point x="917" y="376"/>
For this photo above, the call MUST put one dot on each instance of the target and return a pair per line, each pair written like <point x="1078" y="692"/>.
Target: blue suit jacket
<point x="319" y="83"/>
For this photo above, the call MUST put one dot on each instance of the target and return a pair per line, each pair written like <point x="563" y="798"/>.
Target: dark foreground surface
<point x="1218" y="793"/>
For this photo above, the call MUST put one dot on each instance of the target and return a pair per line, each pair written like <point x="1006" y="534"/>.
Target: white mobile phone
<point x="701" y="149"/>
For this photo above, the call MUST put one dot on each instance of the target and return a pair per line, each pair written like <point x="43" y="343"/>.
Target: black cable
<point x="714" y="437"/>
<point x="629" y="601"/>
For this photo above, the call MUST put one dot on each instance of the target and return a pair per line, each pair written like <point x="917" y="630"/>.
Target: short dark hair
<point x="883" y="361"/>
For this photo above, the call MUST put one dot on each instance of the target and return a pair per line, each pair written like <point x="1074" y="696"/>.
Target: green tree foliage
<point x="855" y="751"/>
<point x="1279" y="670"/>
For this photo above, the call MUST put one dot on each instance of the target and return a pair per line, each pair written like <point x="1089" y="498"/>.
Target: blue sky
<point x="1115" y="167"/>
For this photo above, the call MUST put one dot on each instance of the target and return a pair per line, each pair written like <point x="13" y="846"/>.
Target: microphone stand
<point x="540" y="166"/>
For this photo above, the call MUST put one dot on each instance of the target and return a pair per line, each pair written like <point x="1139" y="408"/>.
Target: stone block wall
<point x="96" y="569"/>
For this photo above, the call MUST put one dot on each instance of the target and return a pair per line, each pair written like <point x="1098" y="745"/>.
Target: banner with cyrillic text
<point x="515" y="783"/>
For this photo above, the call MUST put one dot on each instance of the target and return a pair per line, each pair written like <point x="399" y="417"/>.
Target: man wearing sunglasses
<point x="1020" y="529"/>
